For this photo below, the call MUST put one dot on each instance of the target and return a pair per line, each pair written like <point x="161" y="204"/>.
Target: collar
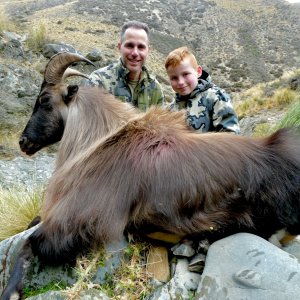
<point x="202" y="86"/>
<point x="123" y="72"/>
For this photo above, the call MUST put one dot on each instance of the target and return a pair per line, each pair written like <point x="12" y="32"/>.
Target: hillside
<point x="240" y="42"/>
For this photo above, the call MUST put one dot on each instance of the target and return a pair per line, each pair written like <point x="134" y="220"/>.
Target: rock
<point x="158" y="263"/>
<point x="91" y="294"/>
<point x="40" y="276"/>
<point x="114" y="253"/>
<point x="50" y="49"/>
<point x="197" y="263"/>
<point x="180" y="286"/>
<point x="9" y="250"/>
<point x="183" y="249"/>
<point x="245" y="266"/>
<point x="94" y="55"/>
<point x="294" y="84"/>
<point x="28" y="172"/>
<point x="293" y="247"/>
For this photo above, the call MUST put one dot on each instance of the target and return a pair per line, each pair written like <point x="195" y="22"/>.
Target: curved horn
<point x="58" y="63"/>
<point x="72" y="72"/>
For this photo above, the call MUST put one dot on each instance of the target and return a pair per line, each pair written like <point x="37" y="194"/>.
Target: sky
<point x="293" y="1"/>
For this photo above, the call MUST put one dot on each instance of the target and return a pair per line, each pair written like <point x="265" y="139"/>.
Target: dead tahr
<point x="118" y="168"/>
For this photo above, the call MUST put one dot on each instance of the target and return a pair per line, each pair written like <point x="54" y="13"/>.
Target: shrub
<point x="18" y="207"/>
<point x="37" y="38"/>
<point x="284" y="97"/>
<point x="5" y="23"/>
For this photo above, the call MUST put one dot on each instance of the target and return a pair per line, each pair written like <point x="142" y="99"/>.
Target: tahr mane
<point x="92" y="115"/>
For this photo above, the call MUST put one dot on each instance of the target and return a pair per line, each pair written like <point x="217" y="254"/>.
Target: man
<point x="129" y="79"/>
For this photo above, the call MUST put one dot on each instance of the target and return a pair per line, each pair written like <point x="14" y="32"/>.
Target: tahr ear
<point x="72" y="91"/>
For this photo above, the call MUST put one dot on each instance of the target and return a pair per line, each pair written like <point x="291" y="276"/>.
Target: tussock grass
<point x="292" y="117"/>
<point x="37" y="38"/>
<point x="255" y="100"/>
<point x="5" y="23"/>
<point x="18" y="207"/>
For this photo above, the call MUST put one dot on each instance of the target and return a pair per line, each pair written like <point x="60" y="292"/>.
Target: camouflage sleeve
<point x="224" y="116"/>
<point x="94" y="79"/>
<point x="173" y="106"/>
<point x="158" y="97"/>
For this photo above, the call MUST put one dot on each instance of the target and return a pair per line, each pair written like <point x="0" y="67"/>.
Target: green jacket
<point x="113" y="78"/>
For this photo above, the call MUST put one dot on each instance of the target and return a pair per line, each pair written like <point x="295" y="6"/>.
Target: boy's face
<point x="184" y="77"/>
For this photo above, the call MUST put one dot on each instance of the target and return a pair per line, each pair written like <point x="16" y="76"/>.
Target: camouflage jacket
<point x="208" y="107"/>
<point x="114" y="79"/>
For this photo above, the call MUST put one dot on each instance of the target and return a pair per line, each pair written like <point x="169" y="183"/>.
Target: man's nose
<point x="135" y="51"/>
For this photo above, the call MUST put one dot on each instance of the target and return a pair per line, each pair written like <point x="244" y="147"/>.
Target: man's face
<point x="134" y="50"/>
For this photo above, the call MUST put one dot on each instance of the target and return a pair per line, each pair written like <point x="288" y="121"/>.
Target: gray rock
<point x="50" y="49"/>
<point x="197" y="263"/>
<point x="114" y="253"/>
<point x="29" y="172"/>
<point x="293" y="247"/>
<point x="95" y="55"/>
<point x="9" y="250"/>
<point x="91" y="294"/>
<point x="183" y="249"/>
<point x="245" y="266"/>
<point x="180" y="286"/>
<point x="40" y="275"/>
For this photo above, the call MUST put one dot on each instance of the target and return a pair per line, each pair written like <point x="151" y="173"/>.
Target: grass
<point x="129" y="281"/>
<point x="49" y="287"/>
<point x="37" y="38"/>
<point x="292" y="117"/>
<point x="18" y="207"/>
<point x="262" y="97"/>
<point x="5" y="23"/>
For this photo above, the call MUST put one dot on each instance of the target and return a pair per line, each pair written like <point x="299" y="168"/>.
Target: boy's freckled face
<point x="183" y="77"/>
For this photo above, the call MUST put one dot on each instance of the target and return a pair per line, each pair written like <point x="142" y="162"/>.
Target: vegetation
<point x="37" y="38"/>
<point x="49" y="287"/>
<point x="18" y="207"/>
<point x="5" y="23"/>
<point x="129" y="281"/>
<point x="276" y="95"/>
<point x="292" y="117"/>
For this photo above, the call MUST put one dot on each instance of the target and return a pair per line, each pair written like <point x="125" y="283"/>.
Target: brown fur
<point x="153" y="172"/>
<point x="118" y="169"/>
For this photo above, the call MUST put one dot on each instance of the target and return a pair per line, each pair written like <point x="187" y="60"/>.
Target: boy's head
<point x="183" y="70"/>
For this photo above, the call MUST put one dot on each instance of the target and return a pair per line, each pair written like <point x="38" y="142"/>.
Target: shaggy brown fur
<point x="154" y="173"/>
<point x="119" y="169"/>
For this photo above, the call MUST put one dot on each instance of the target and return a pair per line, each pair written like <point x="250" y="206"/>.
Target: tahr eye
<point x="45" y="99"/>
<point x="45" y="102"/>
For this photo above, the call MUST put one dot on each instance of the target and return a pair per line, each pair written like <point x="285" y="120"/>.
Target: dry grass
<point x="37" y="38"/>
<point x="270" y="96"/>
<point x="129" y="281"/>
<point x="5" y="23"/>
<point x="18" y="207"/>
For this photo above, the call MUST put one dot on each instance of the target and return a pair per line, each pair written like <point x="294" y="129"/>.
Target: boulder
<point x="245" y="266"/>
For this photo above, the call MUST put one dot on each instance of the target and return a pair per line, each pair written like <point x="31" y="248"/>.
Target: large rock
<point x="245" y="266"/>
<point x="40" y="276"/>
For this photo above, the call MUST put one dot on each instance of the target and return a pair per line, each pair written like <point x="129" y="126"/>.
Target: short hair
<point x="176" y="56"/>
<point x="133" y="24"/>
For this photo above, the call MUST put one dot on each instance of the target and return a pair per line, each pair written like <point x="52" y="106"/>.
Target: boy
<point x="208" y="107"/>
